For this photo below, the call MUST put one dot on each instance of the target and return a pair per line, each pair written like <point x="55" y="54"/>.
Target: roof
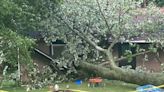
<point x="34" y="34"/>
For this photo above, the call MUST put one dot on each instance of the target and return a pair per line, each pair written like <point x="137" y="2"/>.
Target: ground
<point x="111" y="86"/>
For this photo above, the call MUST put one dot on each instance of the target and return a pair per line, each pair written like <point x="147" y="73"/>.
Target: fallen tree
<point x="86" y="25"/>
<point x="129" y="75"/>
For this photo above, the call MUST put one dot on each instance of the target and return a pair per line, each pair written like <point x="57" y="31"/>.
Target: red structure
<point x="95" y="81"/>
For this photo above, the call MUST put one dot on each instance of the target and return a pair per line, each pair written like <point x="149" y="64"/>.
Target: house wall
<point x="40" y="60"/>
<point x="41" y="45"/>
<point x="46" y="48"/>
<point x="154" y="62"/>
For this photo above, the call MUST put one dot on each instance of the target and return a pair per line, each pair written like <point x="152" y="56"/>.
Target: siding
<point x="153" y="64"/>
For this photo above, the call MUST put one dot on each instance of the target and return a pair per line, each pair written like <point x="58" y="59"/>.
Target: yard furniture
<point x="96" y="81"/>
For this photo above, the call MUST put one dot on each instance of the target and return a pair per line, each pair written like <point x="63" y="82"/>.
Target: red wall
<point x="154" y="63"/>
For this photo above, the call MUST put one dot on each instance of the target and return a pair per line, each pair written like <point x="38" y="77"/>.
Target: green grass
<point x="111" y="86"/>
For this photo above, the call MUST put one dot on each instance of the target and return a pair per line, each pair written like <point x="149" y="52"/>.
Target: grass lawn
<point x="111" y="86"/>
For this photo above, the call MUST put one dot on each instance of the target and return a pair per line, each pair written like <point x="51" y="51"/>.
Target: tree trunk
<point x="127" y="75"/>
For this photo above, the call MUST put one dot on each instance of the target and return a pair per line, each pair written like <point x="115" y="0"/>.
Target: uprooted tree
<point x="85" y="24"/>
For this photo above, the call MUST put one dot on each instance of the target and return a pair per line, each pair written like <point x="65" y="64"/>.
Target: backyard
<point x="81" y="45"/>
<point x="110" y="86"/>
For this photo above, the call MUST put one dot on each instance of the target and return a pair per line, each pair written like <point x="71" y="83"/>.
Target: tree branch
<point x="82" y="35"/>
<point x="120" y="33"/>
<point x="119" y="23"/>
<point x="125" y="58"/>
<point x="106" y="22"/>
<point x="134" y="55"/>
<point x="113" y="43"/>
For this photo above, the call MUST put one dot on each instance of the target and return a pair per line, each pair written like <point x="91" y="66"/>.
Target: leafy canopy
<point x="100" y="21"/>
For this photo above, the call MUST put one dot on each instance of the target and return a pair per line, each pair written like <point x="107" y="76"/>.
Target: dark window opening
<point x="58" y="42"/>
<point x="122" y="49"/>
<point x="56" y="48"/>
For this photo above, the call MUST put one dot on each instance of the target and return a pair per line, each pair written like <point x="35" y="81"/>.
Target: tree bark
<point x="127" y="75"/>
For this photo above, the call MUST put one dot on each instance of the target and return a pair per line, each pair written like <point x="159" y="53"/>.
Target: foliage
<point x="100" y="21"/>
<point x="31" y="13"/>
<point x="41" y="78"/>
<point x="10" y="41"/>
<point x="14" y="47"/>
<point x="159" y="3"/>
